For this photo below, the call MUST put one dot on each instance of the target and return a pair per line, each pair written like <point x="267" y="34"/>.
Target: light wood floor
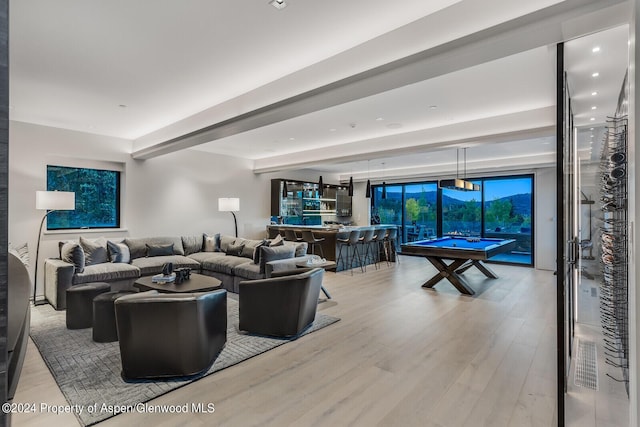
<point x="401" y="356"/>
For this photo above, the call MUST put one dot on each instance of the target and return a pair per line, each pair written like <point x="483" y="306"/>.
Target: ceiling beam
<point x="541" y="28"/>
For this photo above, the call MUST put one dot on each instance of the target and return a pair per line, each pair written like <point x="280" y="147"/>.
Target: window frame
<point x="118" y="199"/>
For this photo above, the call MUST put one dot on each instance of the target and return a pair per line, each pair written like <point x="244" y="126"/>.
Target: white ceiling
<point x="153" y="70"/>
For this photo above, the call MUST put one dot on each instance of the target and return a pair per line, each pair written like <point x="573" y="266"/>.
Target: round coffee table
<point x="196" y="283"/>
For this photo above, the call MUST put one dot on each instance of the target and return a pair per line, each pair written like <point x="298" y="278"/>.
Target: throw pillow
<point x="276" y="241"/>
<point x="95" y="252"/>
<point x="137" y="248"/>
<point x="118" y="252"/>
<point x="271" y="254"/>
<point x="235" y="250"/>
<point x="256" y="251"/>
<point x="191" y="244"/>
<point x="21" y="251"/>
<point x="211" y="243"/>
<point x="225" y="241"/>
<point x="72" y="253"/>
<point x="159" y="250"/>
<point x="249" y="248"/>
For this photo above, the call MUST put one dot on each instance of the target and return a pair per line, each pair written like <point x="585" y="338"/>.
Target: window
<point x="97" y="197"/>
<point x="462" y="212"/>
<point x="503" y="208"/>
<point x="421" y="208"/>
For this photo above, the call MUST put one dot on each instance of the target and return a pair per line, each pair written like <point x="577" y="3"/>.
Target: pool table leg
<point x="448" y="271"/>
<point x="486" y="270"/>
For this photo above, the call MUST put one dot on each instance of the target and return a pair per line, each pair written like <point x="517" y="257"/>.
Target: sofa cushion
<point x="191" y="244"/>
<point x="223" y="264"/>
<point x="248" y="270"/>
<point x="159" y="250"/>
<point x="153" y="265"/>
<point x="72" y="253"/>
<point x="300" y="247"/>
<point x="138" y="247"/>
<point x="211" y="243"/>
<point x="225" y="241"/>
<point x="235" y="250"/>
<point x="276" y="241"/>
<point x="256" y="251"/>
<point x="271" y="254"/>
<point x="95" y="251"/>
<point x="106" y="272"/>
<point x="206" y="256"/>
<point x="118" y="252"/>
<point x="249" y="248"/>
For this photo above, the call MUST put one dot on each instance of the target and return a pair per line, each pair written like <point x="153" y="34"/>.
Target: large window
<point x="503" y="208"/>
<point x="97" y="197"/>
<point x="420" y="211"/>
<point x="462" y="212"/>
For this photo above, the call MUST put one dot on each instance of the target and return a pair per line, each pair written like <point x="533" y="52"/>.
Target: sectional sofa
<point x="120" y="263"/>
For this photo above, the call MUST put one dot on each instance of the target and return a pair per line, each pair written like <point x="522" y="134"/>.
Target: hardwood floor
<point x="401" y="355"/>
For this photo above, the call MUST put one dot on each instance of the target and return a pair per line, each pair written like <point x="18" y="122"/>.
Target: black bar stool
<point x="351" y="241"/>
<point x="390" y="241"/>
<point x="291" y="235"/>
<point x="313" y="241"/>
<point x="366" y="241"/>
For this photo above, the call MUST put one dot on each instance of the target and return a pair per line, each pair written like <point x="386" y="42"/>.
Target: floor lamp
<point x="230" y="204"/>
<point x="50" y="201"/>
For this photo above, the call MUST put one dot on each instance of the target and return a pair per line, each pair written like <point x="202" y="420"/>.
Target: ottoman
<point x="80" y="303"/>
<point x="104" y="316"/>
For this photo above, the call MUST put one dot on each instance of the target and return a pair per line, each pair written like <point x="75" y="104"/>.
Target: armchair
<point x="280" y="306"/>
<point x="167" y="335"/>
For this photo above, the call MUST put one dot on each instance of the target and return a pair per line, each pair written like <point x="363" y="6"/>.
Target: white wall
<point x="545" y="219"/>
<point x="171" y="195"/>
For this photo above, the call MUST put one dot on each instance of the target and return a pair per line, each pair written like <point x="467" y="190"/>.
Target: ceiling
<point x="374" y="90"/>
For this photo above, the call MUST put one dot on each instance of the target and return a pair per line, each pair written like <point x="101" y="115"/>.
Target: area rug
<point x="88" y="372"/>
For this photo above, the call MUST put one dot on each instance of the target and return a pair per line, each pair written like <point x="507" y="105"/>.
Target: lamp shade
<point x="228" y="204"/>
<point x="56" y="200"/>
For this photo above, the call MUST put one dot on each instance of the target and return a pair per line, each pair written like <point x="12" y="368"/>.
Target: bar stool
<point x="366" y="240"/>
<point x="378" y="241"/>
<point x="313" y="241"/>
<point x="390" y="241"/>
<point x="291" y="235"/>
<point x="351" y="241"/>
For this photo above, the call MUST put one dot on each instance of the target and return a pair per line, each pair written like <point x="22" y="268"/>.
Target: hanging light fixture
<point x="457" y="183"/>
<point x="320" y="187"/>
<point x="384" y="184"/>
<point x="367" y="193"/>
<point x="350" y="192"/>
<point x="285" y="190"/>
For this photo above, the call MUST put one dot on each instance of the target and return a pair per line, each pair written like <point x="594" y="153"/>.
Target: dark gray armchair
<point x="280" y="306"/>
<point x="169" y="335"/>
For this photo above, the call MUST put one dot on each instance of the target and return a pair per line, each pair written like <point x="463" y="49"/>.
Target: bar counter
<point x="330" y="235"/>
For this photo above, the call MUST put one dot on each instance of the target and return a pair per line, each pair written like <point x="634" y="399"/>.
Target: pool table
<point x="464" y="252"/>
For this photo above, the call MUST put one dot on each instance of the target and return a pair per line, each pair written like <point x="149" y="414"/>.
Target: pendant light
<point x="285" y="190"/>
<point x="367" y="193"/>
<point x="350" y="187"/>
<point x="384" y="184"/>
<point x="320" y="187"/>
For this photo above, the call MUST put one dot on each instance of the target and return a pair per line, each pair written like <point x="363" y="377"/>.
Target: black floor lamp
<point x="50" y="201"/>
<point x="230" y="204"/>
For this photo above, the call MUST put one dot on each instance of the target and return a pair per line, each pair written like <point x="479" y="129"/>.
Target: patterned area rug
<point x="88" y="372"/>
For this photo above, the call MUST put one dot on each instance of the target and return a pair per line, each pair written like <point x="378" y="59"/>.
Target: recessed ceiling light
<point x="596" y="74"/>
<point x="594" y="93"/>
<point x="590" y="128"/>
<point x="595" y="49"/>
<point x="332" y="130"/>
<point x="594" y="108"/>
<point x="122" y="106"/>
<point x="394" y="125"/>
<point x="592" y="119"/>
<point x="379" y="119"/>
<point x="278" y="4"/>
<point x="292" y="139"/>
<point x="433" y="107"/>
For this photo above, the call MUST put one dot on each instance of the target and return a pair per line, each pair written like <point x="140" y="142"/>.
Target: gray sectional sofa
<point x="120" y="263"/>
